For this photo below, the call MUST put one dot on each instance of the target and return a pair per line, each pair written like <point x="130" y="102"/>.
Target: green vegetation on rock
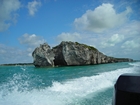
<point x="86" y="46"/>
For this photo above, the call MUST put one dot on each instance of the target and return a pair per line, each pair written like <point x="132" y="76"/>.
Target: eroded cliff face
<point x="43" y="56"/>
<point x="73" y="53"/>
<point x="70" y="53"/>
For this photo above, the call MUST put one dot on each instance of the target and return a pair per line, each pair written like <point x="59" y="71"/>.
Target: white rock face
<point x="43" y="56"/>
<point x="72" y="54"/>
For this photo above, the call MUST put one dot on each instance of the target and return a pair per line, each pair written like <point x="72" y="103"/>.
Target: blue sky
<point x="112" y="26"/>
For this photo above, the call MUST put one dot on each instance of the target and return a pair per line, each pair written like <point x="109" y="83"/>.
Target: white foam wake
<point x="61" y="93"/>
<point x="135" y="64"/>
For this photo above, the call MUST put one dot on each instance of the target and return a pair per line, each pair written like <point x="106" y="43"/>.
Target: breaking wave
<point x="18" y="91"/>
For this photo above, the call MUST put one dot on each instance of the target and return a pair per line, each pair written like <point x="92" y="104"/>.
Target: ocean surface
<point x="73" y="85"/>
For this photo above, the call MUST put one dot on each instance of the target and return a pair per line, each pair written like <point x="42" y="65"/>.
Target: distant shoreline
<point x="15" y="64"/>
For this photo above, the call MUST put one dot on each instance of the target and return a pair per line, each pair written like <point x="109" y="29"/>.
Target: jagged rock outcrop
<point x="71" y="53"/>
<point x="43" y="56"/>
<point x="74" y="53"/>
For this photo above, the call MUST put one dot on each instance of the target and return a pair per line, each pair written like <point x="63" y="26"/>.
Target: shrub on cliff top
<point x="86" y="46"/>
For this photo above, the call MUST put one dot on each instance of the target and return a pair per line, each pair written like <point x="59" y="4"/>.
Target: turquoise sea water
<point x="75" y="85"/>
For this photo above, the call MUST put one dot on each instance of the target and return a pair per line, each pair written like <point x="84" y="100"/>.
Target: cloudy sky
<point x="112" y="26"/>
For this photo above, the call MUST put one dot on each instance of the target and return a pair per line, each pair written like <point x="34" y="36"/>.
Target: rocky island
<point x="69" y="53"/>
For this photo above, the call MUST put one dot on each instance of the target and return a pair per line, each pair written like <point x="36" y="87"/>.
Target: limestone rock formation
<point x="71" y="53"/>
<point x="74" y="53"/>
<point x="43" y="56"/>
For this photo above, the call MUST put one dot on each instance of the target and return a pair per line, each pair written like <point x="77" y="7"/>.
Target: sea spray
<point x="22" y="87"/>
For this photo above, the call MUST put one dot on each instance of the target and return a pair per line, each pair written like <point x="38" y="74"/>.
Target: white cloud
<point x="131" y="44"/>
<point x="131" y="29"/>
<point x="112" y="41"/>
<point x="126" y="43"/>
<point x="104" y="17"/>
<point x="69" y="37"/>
<point x="13" y="55"/>
<point x="31" y="40"/>
<point x="131" y="48"/>
<point x="33" y="7"/>
<point x="8" y="14"/>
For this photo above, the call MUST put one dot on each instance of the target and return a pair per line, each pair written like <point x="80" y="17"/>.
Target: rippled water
<point x="76" y="85"/>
